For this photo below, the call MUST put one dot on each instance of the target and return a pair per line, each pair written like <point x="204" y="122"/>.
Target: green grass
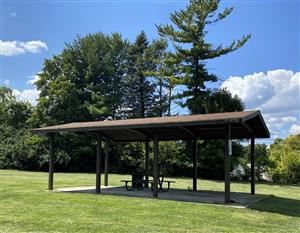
<point x="26" y="206"/>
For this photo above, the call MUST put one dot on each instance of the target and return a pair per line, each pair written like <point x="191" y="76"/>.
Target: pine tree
<point x="188" y="33"/>
<point x="160" y="77"/>
<point x="139" y="90"/>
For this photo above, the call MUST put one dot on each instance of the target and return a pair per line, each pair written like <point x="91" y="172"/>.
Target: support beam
<point x="194" y="152"/>
<point x="252" y="165"/>
<point x="106" y="164"/>
<point x="247" y="127"/>
<point x="96" y="134"/>
<point x="155" y="168"/>
<point x="227" y="164"/>
<point x="187" y="131"/>
<point x="51" y="162"/>
<point x="98" y="165"/>
<point x="146" y="163"/>
<point x="139" y="132"/>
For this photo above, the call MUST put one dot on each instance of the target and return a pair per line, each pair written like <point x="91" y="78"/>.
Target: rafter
<point x="141" y="133"/>
<point x="187" y="131"/>
<point x="247" y="127"/>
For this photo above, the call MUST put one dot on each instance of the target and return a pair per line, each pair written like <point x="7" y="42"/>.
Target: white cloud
<point x="32" y="79"/>
<point x="30" y="95"/>
<point x="276" y="93"/>
<point x="286" y="119"/>
<point x="295" y="129"/>
<point x="13" y="14"/>
<point x="34" y="46"/>
<point x="12" y="48"/>
<point x="6" y="82"/>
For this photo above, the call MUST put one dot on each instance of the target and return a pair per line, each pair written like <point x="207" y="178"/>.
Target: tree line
<point x="102" y="76"/>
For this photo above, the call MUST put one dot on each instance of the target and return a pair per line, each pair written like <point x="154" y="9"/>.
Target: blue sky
<point x="274" y="45"/>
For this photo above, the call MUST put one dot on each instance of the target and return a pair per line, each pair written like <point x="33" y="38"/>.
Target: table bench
<point x="133" y="187"/>
<point x="140" y="184"/>
<point x="160" y="184"/>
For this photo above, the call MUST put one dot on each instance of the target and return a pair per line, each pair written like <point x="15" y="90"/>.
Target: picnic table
<point x="138" y="182"/>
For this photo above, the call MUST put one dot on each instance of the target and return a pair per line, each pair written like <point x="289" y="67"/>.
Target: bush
<point x="285" y="160"/>
<point x="19" y="149"/>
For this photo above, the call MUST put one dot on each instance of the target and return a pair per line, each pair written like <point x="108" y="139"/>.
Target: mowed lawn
<point x="26" y="206"/>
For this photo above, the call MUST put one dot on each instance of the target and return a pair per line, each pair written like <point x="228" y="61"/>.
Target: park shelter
<point x="226" y="126"/>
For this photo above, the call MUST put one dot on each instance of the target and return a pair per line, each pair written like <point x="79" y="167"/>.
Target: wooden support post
<point x="252" y="165"/>
<point x="146" y="163"/>
<point x="155" y="168"/>
<point x="194" y="152"/>
<point x="106" y="163"/>
<point x="227" y="164"/>
<point x="98" y="165"/>
<point x="51" y="162"/>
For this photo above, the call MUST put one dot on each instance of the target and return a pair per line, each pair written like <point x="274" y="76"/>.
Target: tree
<point x="162" y="77"/>
<point x="221" y="100"/>
<point x="116" y="70"/>
<point x="261" y="160"/>
<point x="18" y="148"/>
<point x="12" y="112"/>
<point x="285" y="159"/>
<point x="139" y="90"/>
<point x="187" y="34"/>
<point x="84" y="82"/>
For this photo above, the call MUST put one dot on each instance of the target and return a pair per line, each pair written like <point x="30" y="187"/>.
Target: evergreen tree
<point x="139" y="90"/>
<point x="161" y="78"/>
<point x="188" y="33"/>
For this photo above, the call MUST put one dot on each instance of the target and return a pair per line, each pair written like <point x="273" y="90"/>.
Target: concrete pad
<point x="240" y="200"/>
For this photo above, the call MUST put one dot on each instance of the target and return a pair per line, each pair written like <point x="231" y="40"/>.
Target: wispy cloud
<point x="13" y="14"/>
<point x="13" y="48"/>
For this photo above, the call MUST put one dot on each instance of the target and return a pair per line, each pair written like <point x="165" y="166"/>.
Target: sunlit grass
<point x="26" y="206"/>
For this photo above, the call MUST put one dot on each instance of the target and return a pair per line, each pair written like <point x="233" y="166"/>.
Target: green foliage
<point x="262" y="160"/>
<point x="84" y="82"/>
<point x="285" y="159"/>
<point x="18" y="148"/>
<point x="211" y="158"/>
<point x="141" y="98"/>
<point x="187" y="33"/>
<point x="161" y="77"/>
<point x="221" y="100"/>
<point x="13" y="113"/>
<point x="133" y="156"/>
<point x="173" y="159"/>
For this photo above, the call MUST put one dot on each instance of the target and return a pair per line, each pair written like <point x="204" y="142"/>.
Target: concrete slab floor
<point x="239" y="200"/>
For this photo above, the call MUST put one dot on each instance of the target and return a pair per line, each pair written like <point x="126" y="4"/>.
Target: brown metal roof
<point x="205" y="126"/>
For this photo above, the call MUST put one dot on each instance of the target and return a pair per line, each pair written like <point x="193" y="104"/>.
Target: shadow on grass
<point x="280" y="205"/>
<point x="205" y="196"/>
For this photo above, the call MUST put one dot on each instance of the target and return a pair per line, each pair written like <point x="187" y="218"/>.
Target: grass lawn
<point x="26" y="206"/>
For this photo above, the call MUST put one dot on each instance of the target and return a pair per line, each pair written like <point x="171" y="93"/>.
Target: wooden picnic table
<point x="138" y="182"/>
